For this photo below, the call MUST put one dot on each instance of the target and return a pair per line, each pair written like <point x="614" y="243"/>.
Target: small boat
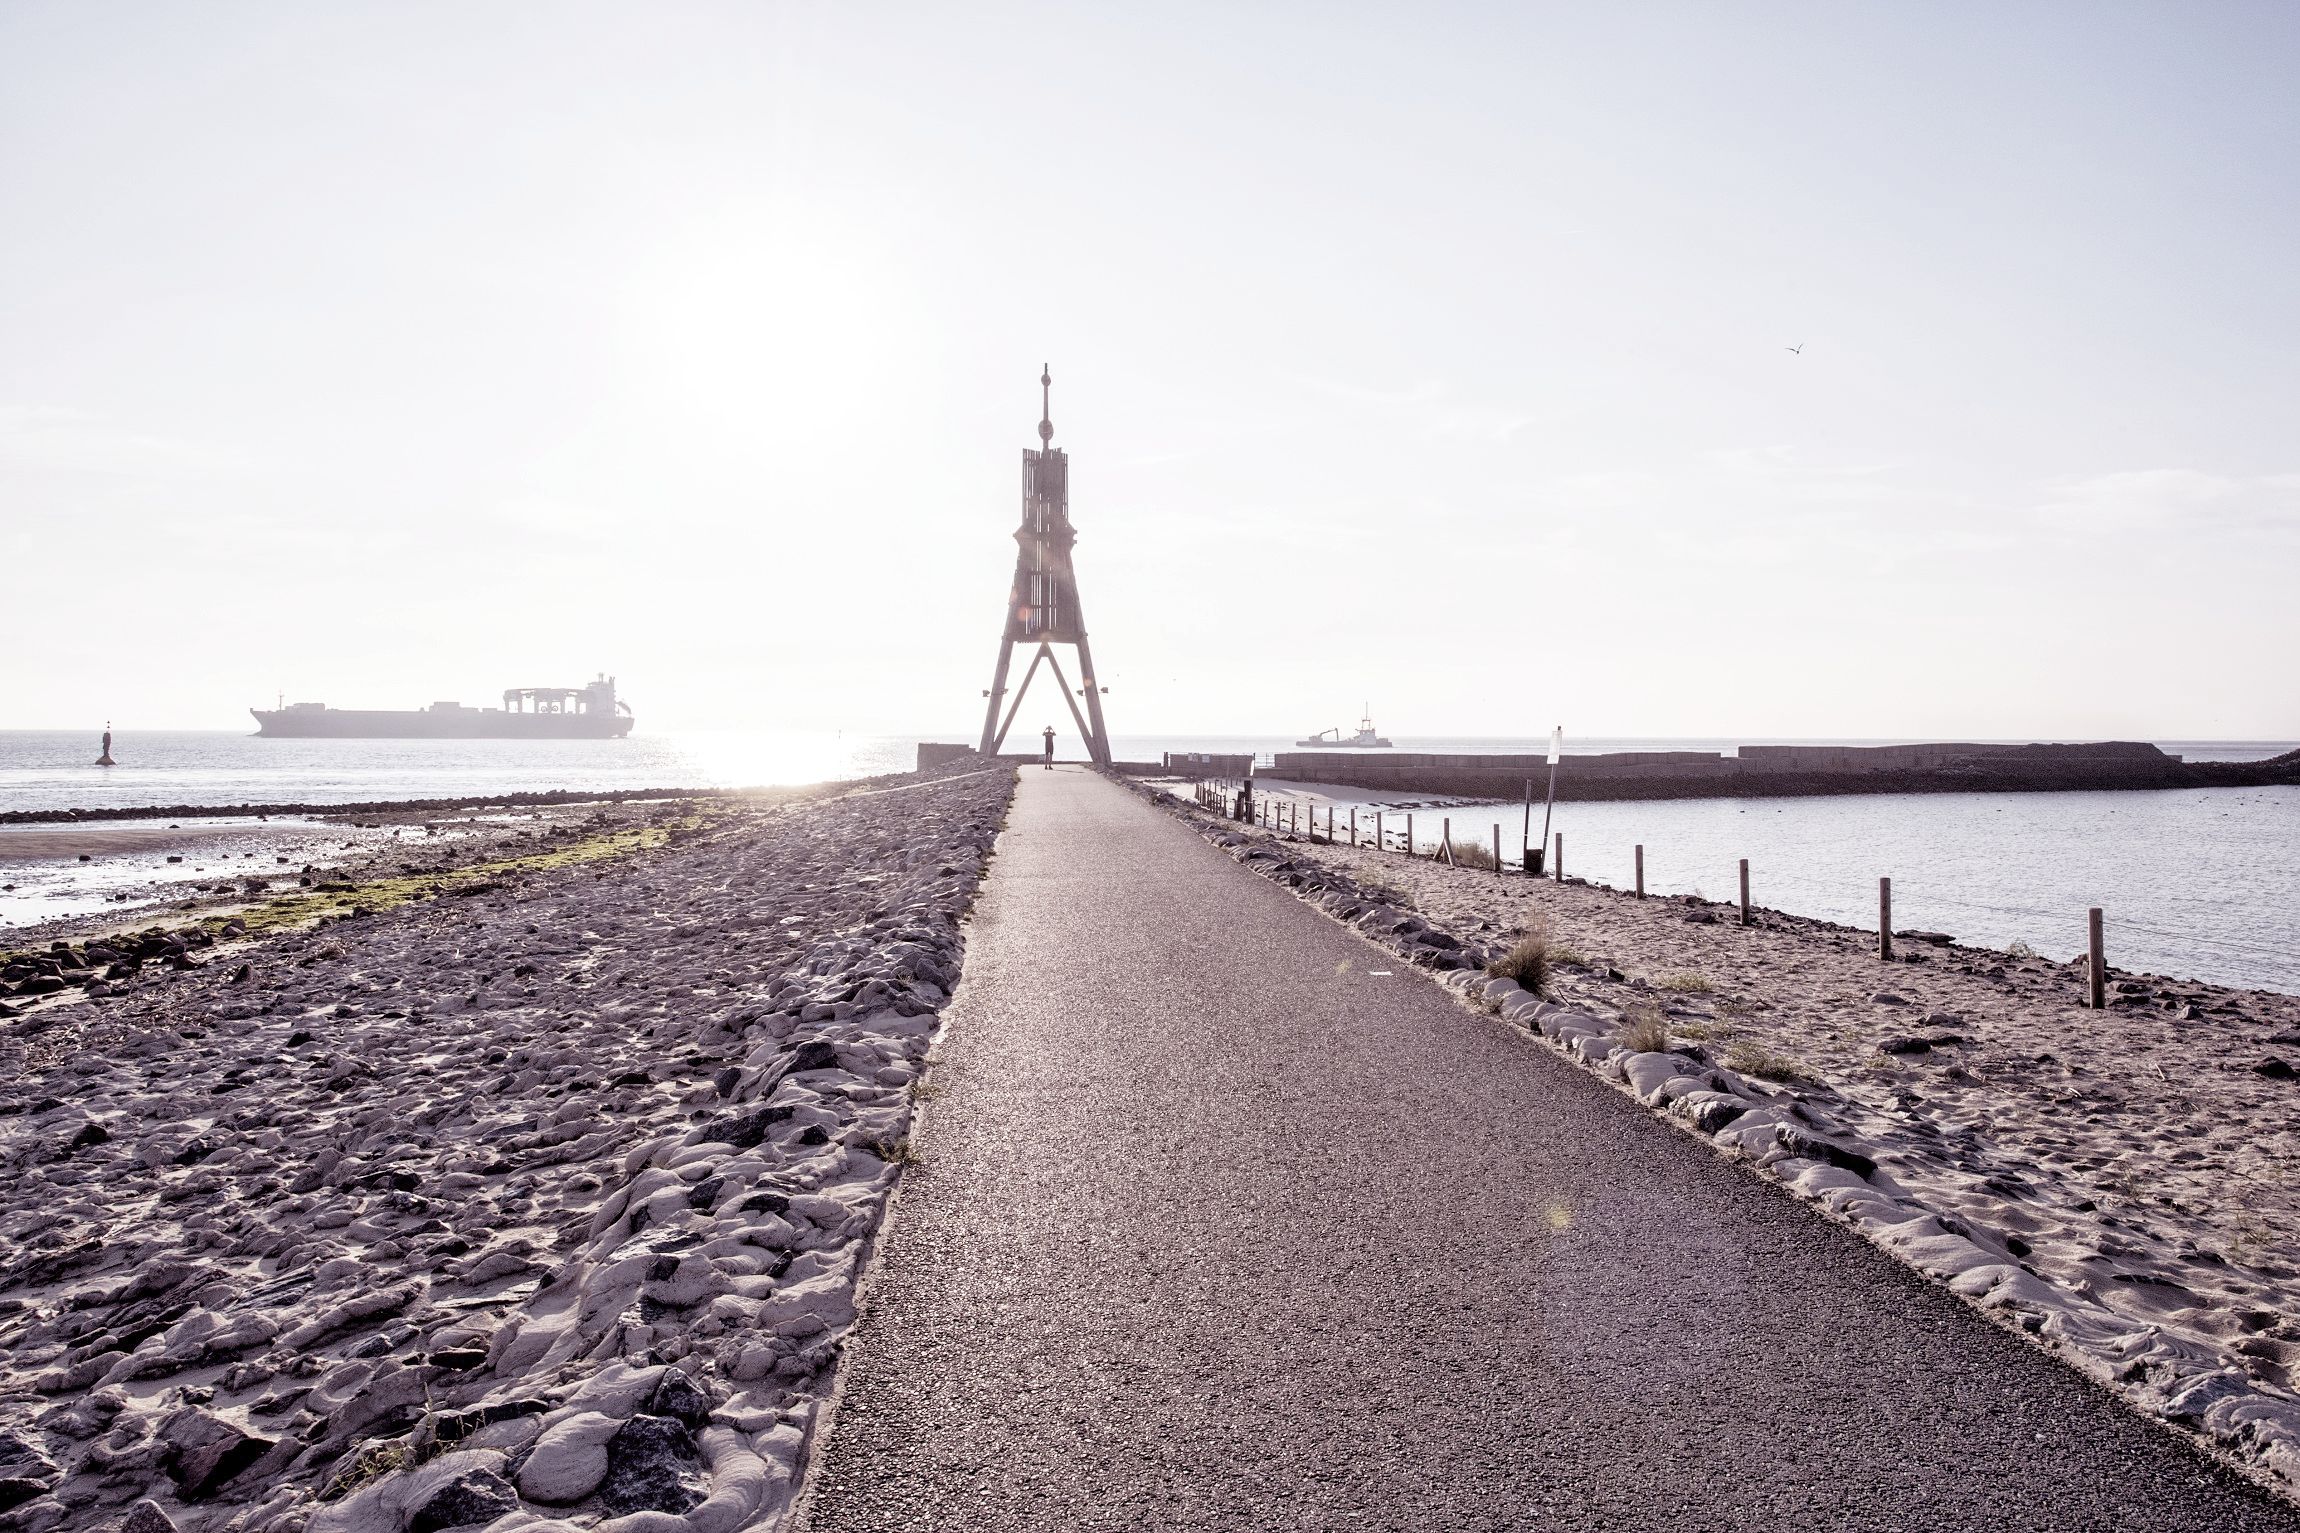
<point x="1365" y="738"/>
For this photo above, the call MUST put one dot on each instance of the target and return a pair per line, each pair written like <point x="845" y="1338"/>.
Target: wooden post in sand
<point x="1558" y="859"/>
<point x="1409" y="835"/>
<point x="1641" y="870"/>
<point x="1445" y="840"/>
<point x="1497" y="846"/>
<point x="1744" y="891"/>
<point x="2096" y="966"/>
<point x="1381" y="836"/>
<point x="1353" y="825"/>
<point x="1885" y="919"/>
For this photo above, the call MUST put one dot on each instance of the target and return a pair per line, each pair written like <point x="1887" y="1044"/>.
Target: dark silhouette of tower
<point x="1042" y="607"/>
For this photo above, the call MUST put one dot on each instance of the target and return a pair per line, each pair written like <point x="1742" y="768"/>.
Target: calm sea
<point x="2201" y="883"/>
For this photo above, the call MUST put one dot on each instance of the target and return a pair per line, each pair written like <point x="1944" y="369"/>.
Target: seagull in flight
<point x="1799" y="348"/>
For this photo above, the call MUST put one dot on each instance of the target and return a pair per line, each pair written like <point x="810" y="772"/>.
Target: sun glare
<point x="765" y="330"/>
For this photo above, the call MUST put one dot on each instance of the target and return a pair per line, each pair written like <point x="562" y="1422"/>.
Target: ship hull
<point x="425" y="724"/>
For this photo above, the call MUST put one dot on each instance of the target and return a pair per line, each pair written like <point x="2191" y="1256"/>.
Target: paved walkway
<point x="1219" y="1228"/>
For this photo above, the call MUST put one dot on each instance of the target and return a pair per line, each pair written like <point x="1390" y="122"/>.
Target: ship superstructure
<point x="1366" y="738"/>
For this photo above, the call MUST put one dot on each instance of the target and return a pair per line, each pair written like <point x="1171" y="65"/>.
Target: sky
<point x="1431" y="358"/>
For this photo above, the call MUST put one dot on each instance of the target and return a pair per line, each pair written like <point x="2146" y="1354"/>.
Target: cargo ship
<point x="590" y="712"/>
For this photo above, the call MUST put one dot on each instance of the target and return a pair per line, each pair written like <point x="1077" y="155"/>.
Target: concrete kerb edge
<point x="2249" y="1428"/>
<point x="798" y="1513"/>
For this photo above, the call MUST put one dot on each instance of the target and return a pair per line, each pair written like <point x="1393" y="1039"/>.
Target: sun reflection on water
<point x="751" y="758"/>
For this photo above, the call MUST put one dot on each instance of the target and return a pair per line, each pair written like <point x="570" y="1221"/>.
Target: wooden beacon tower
<point x="1042" y="606"/>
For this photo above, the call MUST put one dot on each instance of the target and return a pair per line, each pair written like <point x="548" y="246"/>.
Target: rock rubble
<point x="539" y="1208"/>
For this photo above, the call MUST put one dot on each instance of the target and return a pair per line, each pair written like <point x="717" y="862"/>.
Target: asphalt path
<point x="1217" y="1225"/>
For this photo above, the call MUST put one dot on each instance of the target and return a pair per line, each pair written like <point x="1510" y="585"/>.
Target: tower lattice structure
<point x="1042" y="605"/>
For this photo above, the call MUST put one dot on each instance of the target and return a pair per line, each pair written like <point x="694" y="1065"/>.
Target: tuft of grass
<point x="373" y="1463"/>
<point x="1644" y="1031"/>
<point x="2020" y="950"/>
<point x="1380" y="888"/>
<point x="1687" y="982"/>
<point x="1529" y="961"/>
<point x="1755" y="1059"/>
<point x="1701" y="1032"/>
<point x="1470" y="854"/>
<point x="895" y="1152"/>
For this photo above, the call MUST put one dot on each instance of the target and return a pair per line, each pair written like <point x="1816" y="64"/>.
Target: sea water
<point x="55" y="770"/>
<point x="2198" y="882"/>
<point x="2193" y="883"/>
<point x="49" y="769"/>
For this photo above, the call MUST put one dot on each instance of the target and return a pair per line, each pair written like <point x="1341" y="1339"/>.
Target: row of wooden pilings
<point x="1285" y="816"/>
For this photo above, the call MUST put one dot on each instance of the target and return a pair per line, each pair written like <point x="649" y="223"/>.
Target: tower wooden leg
<point x="1097" y="739"/>
<point x="991" y="733"/>
<point x="1043" y="654"/>
<point x="1101" y="758"/>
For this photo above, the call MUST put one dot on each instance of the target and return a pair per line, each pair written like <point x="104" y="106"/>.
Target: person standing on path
<point x="1050" y="747"/>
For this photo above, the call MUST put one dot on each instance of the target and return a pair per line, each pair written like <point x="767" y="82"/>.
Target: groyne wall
<point x="1786" y="771"/>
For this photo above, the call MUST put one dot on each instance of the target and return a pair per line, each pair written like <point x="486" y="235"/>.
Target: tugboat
<point x="1365" y="738"/>
<point x="590" y="712"/>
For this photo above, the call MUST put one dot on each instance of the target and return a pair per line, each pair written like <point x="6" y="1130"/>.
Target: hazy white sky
<point x="1432" y="356"/>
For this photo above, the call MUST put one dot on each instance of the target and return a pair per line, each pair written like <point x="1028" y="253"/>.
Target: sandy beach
<point x="523" y="1176"/>
<point x="2122" y="1184"/>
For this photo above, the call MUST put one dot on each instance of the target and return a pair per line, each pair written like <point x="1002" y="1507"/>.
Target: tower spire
<point x="1045" y="405"/>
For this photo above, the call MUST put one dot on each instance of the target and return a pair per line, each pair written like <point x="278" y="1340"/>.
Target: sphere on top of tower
<point x="1045" y="405"/>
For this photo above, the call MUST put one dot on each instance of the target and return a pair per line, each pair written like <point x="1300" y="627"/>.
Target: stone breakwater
<point x="541" y="1208"/>
<point x="1785" y="771"/>
<point x="2131" y="1221"/>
